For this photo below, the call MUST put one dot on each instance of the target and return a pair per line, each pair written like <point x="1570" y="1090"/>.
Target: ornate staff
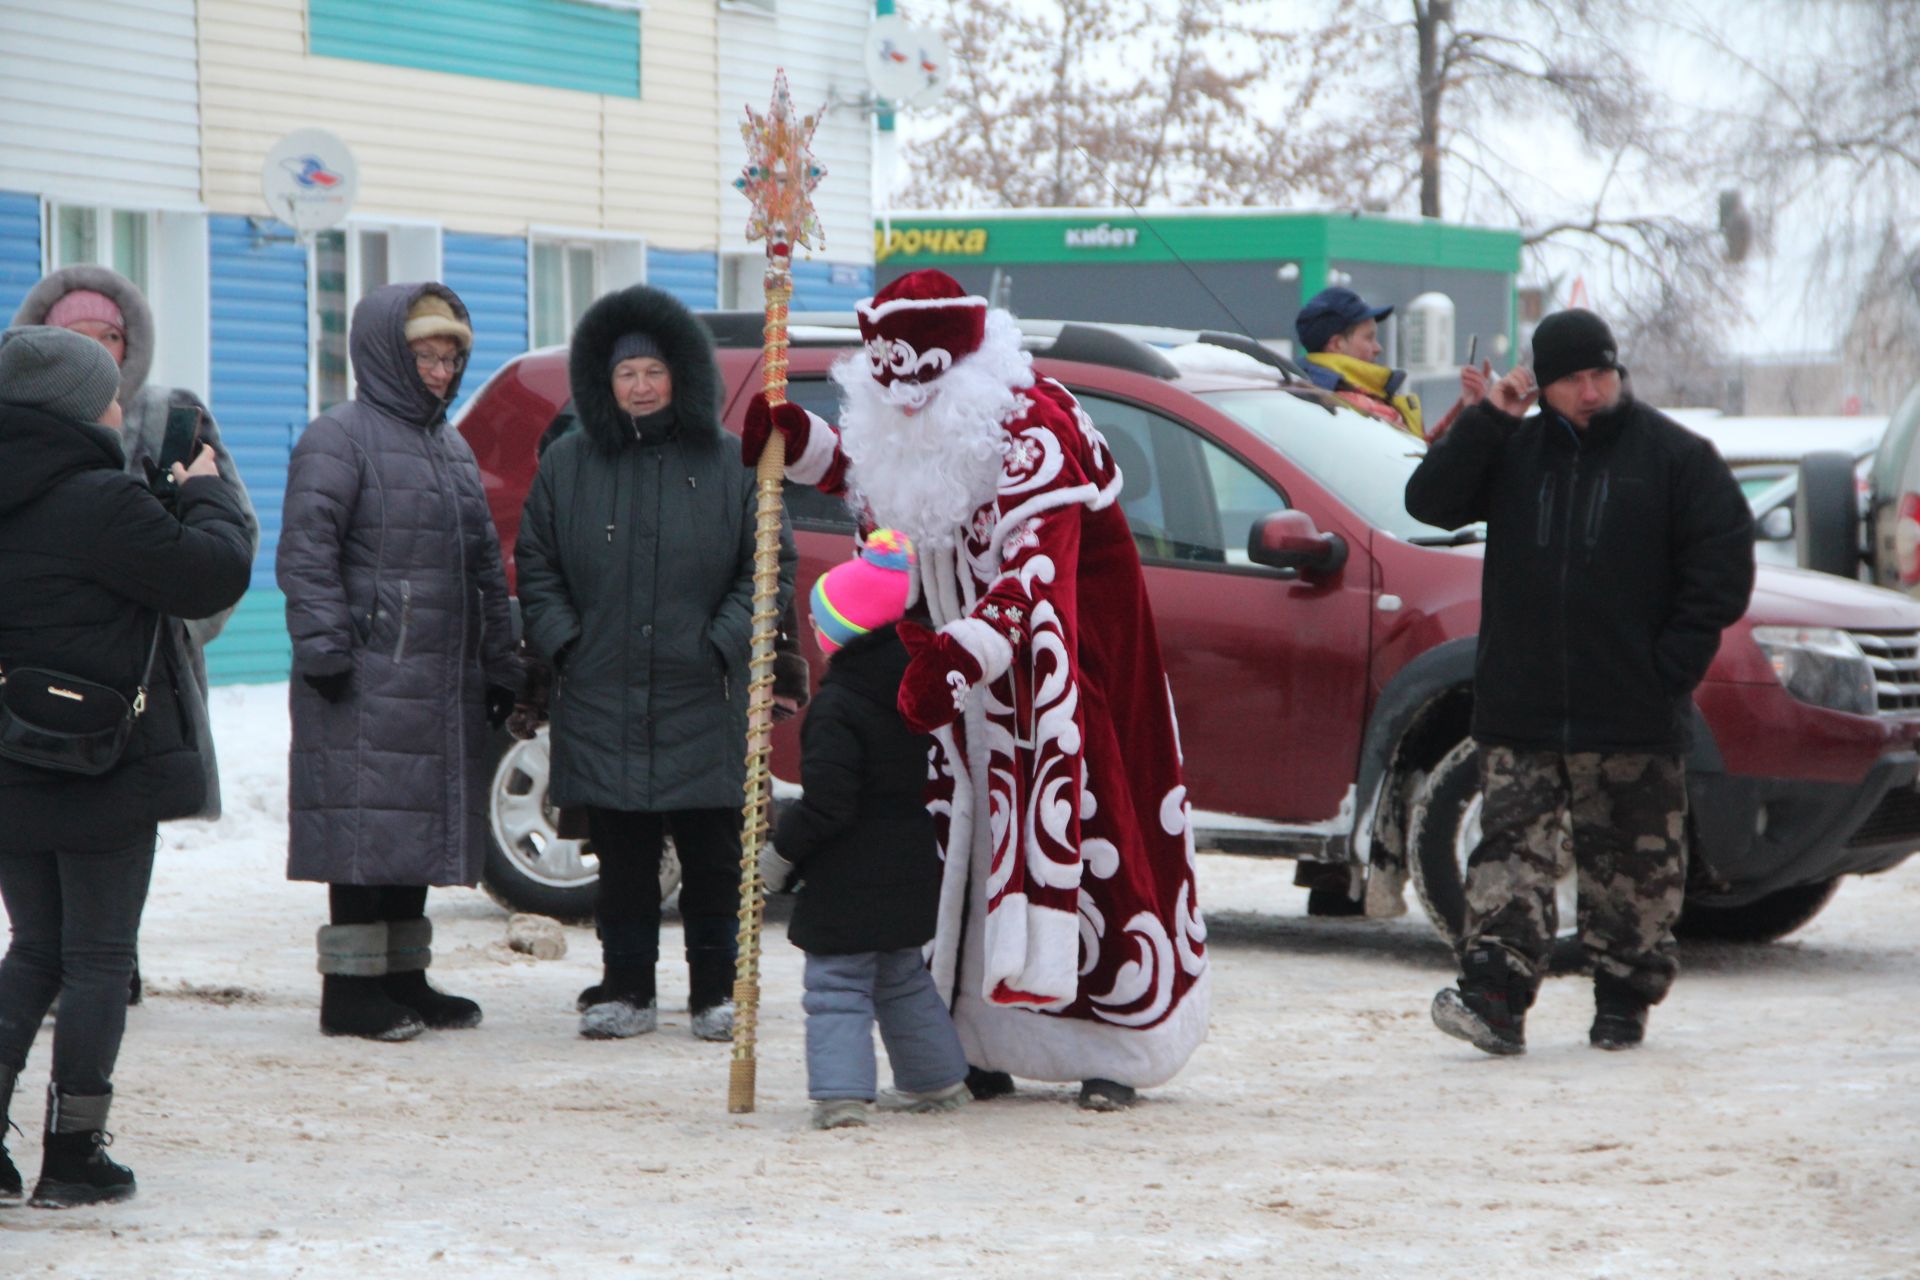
<point x="778" y="180"/>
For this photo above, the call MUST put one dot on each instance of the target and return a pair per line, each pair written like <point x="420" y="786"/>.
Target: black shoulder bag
<point x="53" y="720"/>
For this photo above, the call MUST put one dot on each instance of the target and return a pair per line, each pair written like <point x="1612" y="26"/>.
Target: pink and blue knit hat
<point x="869" y="591"/>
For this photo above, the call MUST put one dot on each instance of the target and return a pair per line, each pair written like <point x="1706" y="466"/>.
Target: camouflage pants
<point x="1628" y="814"/>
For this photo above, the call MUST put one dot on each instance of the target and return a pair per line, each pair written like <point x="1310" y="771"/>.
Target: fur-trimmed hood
<point x="125" y="294"/>
<point x="684" y="344"/>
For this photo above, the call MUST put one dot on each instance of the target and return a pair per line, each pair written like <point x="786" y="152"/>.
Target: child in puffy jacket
<point x="862" y="843"/>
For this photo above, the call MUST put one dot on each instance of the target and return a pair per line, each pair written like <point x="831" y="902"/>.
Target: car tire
<point x="1826" y="515"/>
<point x="1765" y="919"/>
<point x="1444" y="830"/>
<point x="529" y="867"/>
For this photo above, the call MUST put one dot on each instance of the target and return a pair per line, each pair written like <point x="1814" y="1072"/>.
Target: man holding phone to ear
<point x="1618" y="549"/>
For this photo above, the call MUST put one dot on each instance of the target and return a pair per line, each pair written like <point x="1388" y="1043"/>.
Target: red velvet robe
<point x="1071" y="944"/>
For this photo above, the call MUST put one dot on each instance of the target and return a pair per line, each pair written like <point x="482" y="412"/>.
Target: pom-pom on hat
<point x="917" y="327"/>
<point x="869" y="591"/>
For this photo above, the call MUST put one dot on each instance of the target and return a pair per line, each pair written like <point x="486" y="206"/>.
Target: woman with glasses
<point x="402" y="662"/>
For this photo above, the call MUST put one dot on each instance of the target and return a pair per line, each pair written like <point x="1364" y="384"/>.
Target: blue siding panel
<point x="830" y="286"/>
<point x="490" y="275"/>
<point x="259" y="359"/>
<point x="19" y="250"/>
<point x="694" y="278"/>
<point x="567" y="44"/>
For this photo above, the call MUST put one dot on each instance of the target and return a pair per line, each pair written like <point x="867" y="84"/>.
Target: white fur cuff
<point x="823" y="445"/>
<point x="989" y="648"/>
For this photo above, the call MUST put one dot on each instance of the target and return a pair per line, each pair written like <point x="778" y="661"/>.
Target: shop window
<point x="348" y="263"/>
<point x="117" y="238"/>
<point x="569" y="270"/>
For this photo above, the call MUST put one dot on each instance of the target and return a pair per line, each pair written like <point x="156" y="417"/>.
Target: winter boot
<point x="985" y="1086"/>
<point x="951" y="1098"/>
<point x="621" y="1005"/>
<point x="353" y="963"/>
<point x="710" y="955"/>
<point x="409" y="952"/>
<point x="1489" y="1008"/>
<point x="74" y="1167"/>
<point x="136" y="994"/>
<point x="1106" y="1095"/>
<point x="839" y="1113"/>
<point x="1619" y="1014"/>
<point x="12" y="1189"/>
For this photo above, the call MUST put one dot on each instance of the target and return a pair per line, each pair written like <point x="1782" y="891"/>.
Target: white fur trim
<point x="1037" y="1046"/>
<point x="1036" y="505"/>
<point x="871" y="312"/>
<point x="1040" y="954"/>
<point x="1109" y="495"/>
<point x="989" y="648"/>
<point x="823" y="446"/>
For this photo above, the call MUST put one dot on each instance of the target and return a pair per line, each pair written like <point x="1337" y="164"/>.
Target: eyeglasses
<point x="426" y="362"/>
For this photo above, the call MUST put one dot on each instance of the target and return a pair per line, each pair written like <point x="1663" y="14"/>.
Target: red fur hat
<point x="919" y="326"/>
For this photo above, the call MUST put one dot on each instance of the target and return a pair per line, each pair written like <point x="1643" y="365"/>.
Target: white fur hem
<point x="823" y="446"/>
<point x="989" y="648"/>
<point x="1033" y="949"/>
<point x="871" y="312"/>
<point x="1039" y="1046"/>
<point x="1040" y="503"/>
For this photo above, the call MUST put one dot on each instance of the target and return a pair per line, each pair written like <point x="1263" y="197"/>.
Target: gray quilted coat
<point x="392" y="573"/>
<point x="142" y="432"/>
<point x="635" y="560"/>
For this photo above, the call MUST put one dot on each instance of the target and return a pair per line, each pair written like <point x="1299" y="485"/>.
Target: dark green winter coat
<point x="635" y="565"/>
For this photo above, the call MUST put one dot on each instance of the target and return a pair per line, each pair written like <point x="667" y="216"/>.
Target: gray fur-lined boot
<point x="409" y="953"/>
<point x="353" y="1001"/>
<point x="74" y="1167"/>
<point x="12" y="1188"/>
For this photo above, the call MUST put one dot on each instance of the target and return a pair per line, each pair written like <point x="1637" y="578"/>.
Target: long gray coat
<point x="392" y="572"/>
<point x="636" y="557"/>
<point x="143" y="430"/>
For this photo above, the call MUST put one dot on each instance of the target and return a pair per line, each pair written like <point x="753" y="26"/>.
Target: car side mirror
<point x="1289" y="541"/>
<point x="1777" y="525"/>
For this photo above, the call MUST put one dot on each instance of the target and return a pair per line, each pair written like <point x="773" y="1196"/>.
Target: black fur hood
<point x="684" y="345"/>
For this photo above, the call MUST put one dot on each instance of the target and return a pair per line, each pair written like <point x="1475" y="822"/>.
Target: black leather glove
<point x="332" y="686"/>
<point x="500" y="700"/>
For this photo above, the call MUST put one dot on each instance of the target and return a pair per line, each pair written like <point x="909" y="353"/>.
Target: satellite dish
<point x="310" y="179"/>
<point x="907" y="66"/>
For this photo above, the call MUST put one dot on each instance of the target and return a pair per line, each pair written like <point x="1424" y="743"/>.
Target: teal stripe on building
<point x="259" y="395"/>
<point x="694" y="278"/>
<point x="490" y="275"/>
<point x="566" y="44"/>
<point x="19" y="250"/>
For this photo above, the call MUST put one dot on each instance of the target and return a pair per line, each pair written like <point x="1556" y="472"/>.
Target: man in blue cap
<point x="1339" y="335"/>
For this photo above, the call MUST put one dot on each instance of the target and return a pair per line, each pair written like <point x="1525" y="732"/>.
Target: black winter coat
<point x="1615" y="558"/>
<point x="635" y="558"/>
<point x="391" y="569"/>
<point x="860" y="838"/>
<point x="87" y="557"/>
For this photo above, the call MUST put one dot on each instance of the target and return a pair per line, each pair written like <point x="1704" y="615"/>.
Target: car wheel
<point x="1826" y="514"/>
<point x="1762" y="920"/>
<point x="1442" y="836"/>
<point x="529" y="866"/>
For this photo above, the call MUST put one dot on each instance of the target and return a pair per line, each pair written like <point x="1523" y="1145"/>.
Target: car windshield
<point x="1362" y="460"/>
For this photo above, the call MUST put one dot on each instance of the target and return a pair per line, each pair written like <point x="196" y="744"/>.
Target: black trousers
<point x="76" y="921"/>
<point x="372" y="903"/>
<point x="627" y="908"/>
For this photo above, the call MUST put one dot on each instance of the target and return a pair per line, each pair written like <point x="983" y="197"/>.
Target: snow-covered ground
<point x="1770" y="1127"/>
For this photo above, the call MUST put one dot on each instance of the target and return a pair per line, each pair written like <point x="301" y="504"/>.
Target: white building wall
<point x="98" y="101"/>
<point x="475" y="154"/>
<point x="820" y="44"/>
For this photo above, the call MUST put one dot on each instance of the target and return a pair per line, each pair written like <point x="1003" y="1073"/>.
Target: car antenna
<point x="1238" y="323"/>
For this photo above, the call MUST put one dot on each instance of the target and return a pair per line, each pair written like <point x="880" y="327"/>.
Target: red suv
<point x="1320" y="640"/>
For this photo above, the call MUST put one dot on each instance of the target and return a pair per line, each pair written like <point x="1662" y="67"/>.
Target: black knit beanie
<point x="1569" y="341"/>
<point x="632" y="346"/>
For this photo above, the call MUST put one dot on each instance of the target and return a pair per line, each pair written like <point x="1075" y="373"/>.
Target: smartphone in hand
<point x="182" y="440"/>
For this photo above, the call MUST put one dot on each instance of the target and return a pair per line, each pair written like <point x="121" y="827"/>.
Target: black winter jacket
<point x="1615" y="558"/>
<point x="635" y="562"/>
<point x="861" y="838"/>
<point x="87" y="557"/>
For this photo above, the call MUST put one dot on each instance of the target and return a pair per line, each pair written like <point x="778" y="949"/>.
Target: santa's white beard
<point x="925" y="471"/>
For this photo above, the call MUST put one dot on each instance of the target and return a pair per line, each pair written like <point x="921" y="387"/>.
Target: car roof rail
<point x="1094" y="344"/>
<point x="1253" y="348"/>
<point x="735" y="329"/>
